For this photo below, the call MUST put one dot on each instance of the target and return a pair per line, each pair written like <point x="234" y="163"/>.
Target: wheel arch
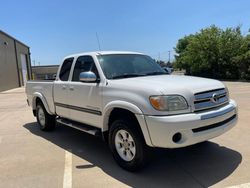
<point x="38" y="97"/>
<point x="130" y="109"/>
<point x="117" y="105"/>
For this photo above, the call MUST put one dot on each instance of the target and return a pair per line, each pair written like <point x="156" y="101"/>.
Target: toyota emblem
<point x="215" y="98"/>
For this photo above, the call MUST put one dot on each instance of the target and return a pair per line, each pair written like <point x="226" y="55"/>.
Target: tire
<point x="45" y="121"/>
<point x="130" y="154"/>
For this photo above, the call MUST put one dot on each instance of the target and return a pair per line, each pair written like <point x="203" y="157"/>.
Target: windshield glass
<point x="116" y="66"/>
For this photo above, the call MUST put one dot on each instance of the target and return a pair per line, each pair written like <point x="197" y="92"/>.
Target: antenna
<point x="97" y="38"/>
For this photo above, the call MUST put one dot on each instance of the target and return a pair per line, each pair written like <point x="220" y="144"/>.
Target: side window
<point x="65" y="70"/>
<point x="84" y="64"/>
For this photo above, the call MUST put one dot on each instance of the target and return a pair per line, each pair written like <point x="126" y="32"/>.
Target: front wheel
<point x="45" y="120"/>
<point x="127" y="145"/>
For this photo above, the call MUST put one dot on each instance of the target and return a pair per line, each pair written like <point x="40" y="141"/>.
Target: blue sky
<point x="56" y="28"/>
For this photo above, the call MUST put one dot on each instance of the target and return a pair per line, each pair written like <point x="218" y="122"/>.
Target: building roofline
<point x="6" y="34"/>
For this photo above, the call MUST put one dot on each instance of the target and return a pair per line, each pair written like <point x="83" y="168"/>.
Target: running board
<point x="79" y="126"/>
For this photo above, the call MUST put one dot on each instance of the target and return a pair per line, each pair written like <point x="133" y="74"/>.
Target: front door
<point x="85" y="97"/>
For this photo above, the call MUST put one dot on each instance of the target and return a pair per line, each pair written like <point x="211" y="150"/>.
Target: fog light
<point x="177" y="137"/>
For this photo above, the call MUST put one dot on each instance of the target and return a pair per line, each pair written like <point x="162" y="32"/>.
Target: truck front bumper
<point x="187" y="129"/>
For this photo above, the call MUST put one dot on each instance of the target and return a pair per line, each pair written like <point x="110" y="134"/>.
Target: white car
<point x="131" y="102"/>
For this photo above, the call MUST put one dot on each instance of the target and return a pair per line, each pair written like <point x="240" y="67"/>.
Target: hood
<point x="170" y="84"/>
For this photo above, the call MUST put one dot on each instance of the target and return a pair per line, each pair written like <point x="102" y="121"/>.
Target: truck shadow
<point x="200" y="165"/>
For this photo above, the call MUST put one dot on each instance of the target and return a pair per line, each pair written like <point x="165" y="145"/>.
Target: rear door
<point x="85" y="97"/>
<point x="61" y="89"/>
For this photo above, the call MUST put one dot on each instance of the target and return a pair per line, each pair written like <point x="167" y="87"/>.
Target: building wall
<point x="10" y="62"/>
<point x="8" y="66"/>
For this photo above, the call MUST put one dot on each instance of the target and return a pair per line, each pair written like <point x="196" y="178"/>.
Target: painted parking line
<point x="245" y="185"/>
<point x="67" y="178"/>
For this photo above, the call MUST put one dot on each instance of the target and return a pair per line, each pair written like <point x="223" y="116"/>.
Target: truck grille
<point x="210" y="99"/>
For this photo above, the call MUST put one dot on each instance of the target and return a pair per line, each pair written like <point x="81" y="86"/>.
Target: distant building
<point x="15" y="67"/>
<point x="47" y="72"/>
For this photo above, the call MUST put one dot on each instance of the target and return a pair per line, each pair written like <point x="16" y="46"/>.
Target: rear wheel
<point x="127" y="145"/>
<point x="45" y="120"/>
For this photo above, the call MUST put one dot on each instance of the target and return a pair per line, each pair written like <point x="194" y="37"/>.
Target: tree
<point x="214" y="53"/>
<point x="160" y="62"/>
<point x="180" y="57"/>
<point x="243" y="60"/>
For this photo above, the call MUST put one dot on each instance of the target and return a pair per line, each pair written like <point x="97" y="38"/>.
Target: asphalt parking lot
<point x="70" y="158"/>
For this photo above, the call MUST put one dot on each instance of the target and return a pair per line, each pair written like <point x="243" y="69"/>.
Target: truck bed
<point x="44" y="87"/>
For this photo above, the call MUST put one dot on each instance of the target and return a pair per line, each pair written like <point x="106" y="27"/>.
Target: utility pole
<point x="34" y="62"/>
<point x="169" y="56"/>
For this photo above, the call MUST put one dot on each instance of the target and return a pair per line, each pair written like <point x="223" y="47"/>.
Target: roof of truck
<point x="102" y="53"/>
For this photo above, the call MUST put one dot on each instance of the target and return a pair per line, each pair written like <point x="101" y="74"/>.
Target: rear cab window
<point x="65" y="69"/>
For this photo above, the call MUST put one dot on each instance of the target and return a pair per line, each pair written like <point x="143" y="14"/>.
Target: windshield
<point x="116" y="66"/>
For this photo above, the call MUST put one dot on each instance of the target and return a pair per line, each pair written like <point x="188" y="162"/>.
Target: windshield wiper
<point x="156" y="73"/>
<point x="128" y="75"/>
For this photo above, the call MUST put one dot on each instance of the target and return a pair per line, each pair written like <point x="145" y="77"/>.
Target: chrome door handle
<point x="71" y="88"/>
<point x="63" y="87"/>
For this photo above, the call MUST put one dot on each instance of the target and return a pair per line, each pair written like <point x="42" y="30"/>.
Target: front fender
<point x="132" y="108"/>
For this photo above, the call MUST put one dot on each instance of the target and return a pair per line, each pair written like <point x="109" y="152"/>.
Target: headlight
<point x="168" y="102"/>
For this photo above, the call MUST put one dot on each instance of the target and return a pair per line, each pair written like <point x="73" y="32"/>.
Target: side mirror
<point x="87" y="77"/>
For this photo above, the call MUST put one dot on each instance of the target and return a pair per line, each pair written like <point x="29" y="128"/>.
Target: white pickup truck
<point x="129" y="100"/>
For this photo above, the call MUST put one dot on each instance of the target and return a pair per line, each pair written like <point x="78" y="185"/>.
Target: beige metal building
<point x="45" y="72"/>
<point x="15" y="66"/>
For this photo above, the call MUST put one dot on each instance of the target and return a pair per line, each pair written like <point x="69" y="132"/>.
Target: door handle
<point x="71" y="88"/>
<point x="63" y="87"/>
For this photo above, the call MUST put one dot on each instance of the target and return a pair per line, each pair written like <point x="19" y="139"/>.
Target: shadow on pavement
<point x="200" y="165"/>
